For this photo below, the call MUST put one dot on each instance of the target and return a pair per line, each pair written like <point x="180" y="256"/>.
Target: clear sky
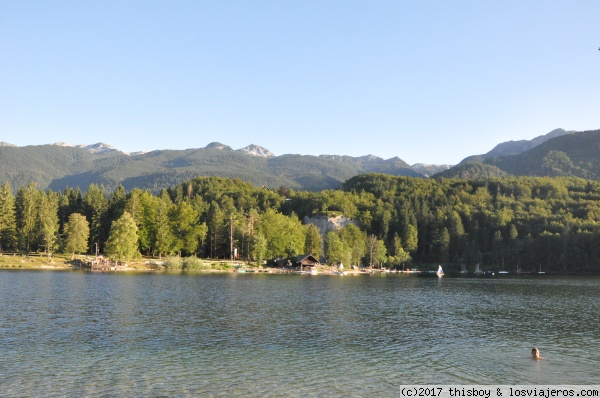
<point x="427" y="81"/>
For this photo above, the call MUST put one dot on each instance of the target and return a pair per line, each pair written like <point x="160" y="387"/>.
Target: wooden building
<point x="306" y="260"/>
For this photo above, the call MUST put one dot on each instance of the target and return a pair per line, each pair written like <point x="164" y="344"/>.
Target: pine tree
<point x="48" y="221"/>
<point x="95" y="205"/>
<point x="165" y="240"/>
<point x="185" y="227"/>
<point x="8" y="221"/>
<point x="27" y="215"/>
<point x="215" y="228"/>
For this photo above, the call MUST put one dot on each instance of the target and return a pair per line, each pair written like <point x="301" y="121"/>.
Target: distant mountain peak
<point x="66" y="144"/>
<point x="219" y="146"/>
<point x="430" y="169"/>
<point x="6" y="144"/>
<point x="517" y="147"/>
<point x="99" y="147"/>
<point x="370" y="157"/>
<point x="255" y="150"/>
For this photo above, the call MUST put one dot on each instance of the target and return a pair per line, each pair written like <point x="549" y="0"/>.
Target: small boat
<point x="440" y="271"/>
<point x="478" y="270"/>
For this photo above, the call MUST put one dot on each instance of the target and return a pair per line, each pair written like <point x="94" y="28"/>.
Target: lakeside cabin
<point x="306" y="261"/>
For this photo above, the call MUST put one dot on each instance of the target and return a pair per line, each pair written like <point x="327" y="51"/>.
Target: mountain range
<point x="558" y="153"/>
<point x="61" y="165"/>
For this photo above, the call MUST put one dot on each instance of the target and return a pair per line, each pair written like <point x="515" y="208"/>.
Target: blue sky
<point x="427" y="81"/>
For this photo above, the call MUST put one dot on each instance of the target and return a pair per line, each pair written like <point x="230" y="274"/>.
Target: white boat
<point x="440" y="271"/>
<point x="478" y="270"/>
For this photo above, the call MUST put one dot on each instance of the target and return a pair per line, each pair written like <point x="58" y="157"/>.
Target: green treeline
<point x="499" y="223"/>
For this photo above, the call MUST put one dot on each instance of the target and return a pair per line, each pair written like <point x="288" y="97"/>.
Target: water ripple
<point x="178" y="335"/>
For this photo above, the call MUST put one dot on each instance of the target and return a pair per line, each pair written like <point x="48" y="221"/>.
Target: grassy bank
<point x="64" y="261"/>
<point x="15" y="260"/>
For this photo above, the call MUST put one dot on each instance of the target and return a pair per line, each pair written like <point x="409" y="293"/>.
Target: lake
<point x="77" y="333"/>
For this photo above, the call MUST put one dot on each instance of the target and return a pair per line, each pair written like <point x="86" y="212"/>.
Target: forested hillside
<point x="499" y="223"/>
<point x="558" y="153"/>
<point x="59" y="167"/>
<point x="574" y="154"/>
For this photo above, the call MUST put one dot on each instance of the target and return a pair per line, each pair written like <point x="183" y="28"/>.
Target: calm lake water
<point x="150" y="335"/>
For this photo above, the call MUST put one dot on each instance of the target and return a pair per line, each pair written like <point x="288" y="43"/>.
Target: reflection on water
<point x="89" y="334"/>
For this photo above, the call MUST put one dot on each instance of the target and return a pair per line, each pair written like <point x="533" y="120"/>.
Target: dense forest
<point x="503" y="223"/>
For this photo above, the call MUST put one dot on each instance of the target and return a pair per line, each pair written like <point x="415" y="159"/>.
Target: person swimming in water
<point x="535" y="354"/>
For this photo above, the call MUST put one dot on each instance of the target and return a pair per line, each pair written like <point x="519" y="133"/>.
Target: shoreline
<point x="272" y="271"/>
<point x="59" y="263"/>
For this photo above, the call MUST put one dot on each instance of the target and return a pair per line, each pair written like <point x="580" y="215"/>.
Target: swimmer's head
<point x="535" y="353"/>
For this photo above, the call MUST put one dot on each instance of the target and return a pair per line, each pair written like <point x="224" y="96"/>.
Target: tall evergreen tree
<point x="115" y="206"/>
<point x="8" y="220"/>
<point x="185" y="227"/>
<point x="442" y="244"/>
<point x="457" y="236"/>
<point x="165" y="240"/>
<point x="95" y="205"/>
<point x="48" y="221"/>
<point x="216" y="233"/>
<point x="140" y="204"/>
<point x="71" y="201"/>
<point x="513" y="245"/>
<point x="27" y="215"/>
<point x="134" y="206"/>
